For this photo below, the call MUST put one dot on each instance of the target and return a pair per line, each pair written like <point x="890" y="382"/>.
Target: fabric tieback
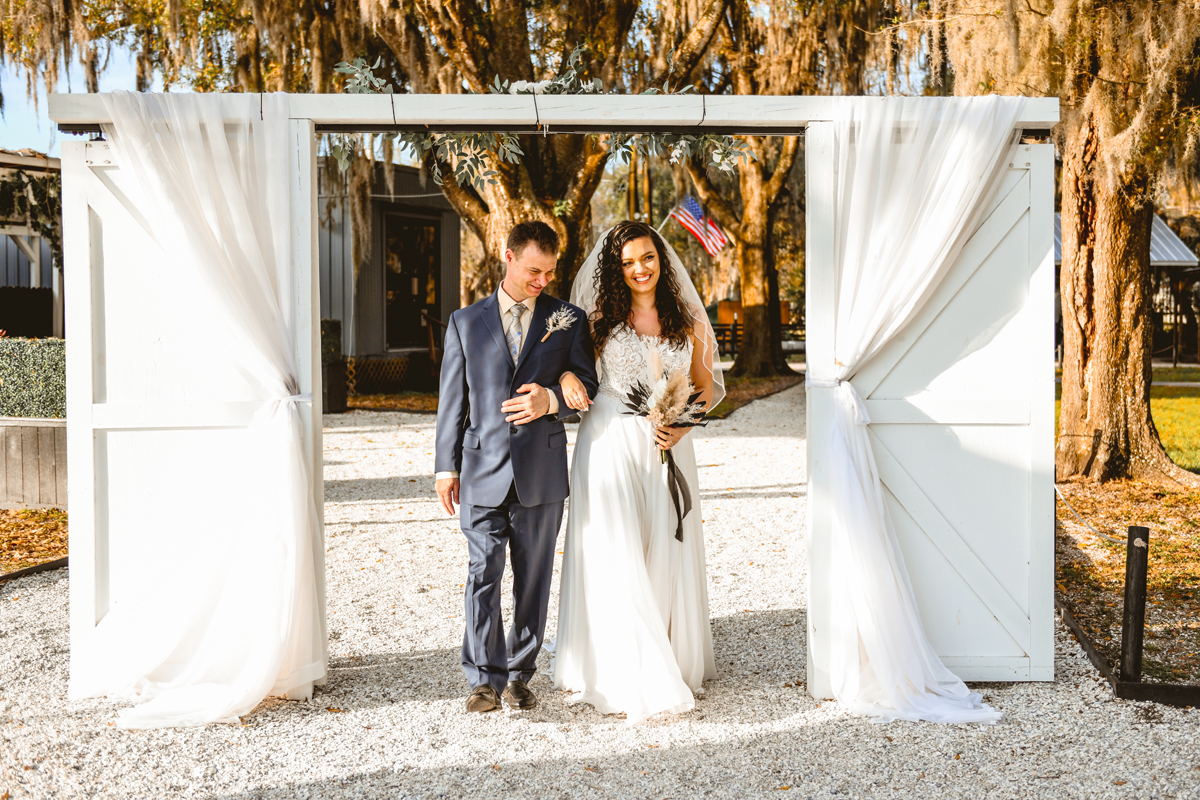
<point x="514" y="331"/>
<point x="846" y="394"/>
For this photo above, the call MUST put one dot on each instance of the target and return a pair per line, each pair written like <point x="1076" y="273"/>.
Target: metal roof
<point x="1166" y="249"/>
<point x="29" y="159"/>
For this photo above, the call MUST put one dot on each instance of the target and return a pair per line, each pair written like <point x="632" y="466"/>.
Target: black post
<point x="1137" y="551"/>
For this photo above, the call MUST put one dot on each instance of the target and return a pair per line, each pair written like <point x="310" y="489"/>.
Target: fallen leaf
<point x="337" y="710"/>
<point x="1115" y="783"/>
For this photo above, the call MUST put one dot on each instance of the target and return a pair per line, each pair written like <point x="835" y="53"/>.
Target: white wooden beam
<point x="27" y="163"/>
<point x="819" y="298"/>
<point x="83" y="255"/>
<point x="1041" y="403"/>
<point x="929" y="409"/>
<point x="947" y="540"/>
<point x="29" y="242"/>
<point x="25" y="242"/>
<point x="555" y="112"/>
<point x="304" y="277"/>
<point x="149" y="416"/>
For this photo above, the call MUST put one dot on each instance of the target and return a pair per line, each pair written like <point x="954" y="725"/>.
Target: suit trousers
<point x="530" y="534"/>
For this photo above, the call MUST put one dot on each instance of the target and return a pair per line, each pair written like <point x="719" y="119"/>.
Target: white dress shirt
<point x="506" y="321"/>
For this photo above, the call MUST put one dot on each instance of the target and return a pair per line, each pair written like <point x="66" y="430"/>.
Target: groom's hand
<point x="447" y="491"/>
<point x="534" y="404"/>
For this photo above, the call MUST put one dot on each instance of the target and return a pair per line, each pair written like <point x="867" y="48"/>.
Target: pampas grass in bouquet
<point x="668" y="401"/>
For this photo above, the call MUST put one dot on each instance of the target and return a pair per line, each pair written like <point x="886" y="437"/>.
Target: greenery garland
<point x="468" y="152"/>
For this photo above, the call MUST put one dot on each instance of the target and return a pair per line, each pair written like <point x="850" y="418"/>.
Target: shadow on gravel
<point x="388" y="678"/>
<point x="764" y="491"/>
<point x="835" y="755"/>
<point x="398" y="487"/>
<point x="756" y="652"/>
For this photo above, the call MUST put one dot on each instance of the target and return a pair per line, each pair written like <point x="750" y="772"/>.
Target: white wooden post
<point x="1041" y="417"/>
<point x="56" y="289"/>
<point x="302" y="175"/>
<point x="819" y="296"/>
<point x="83" y="250"/>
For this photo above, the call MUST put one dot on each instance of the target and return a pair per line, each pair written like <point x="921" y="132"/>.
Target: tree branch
<point x="587" y="180"/>
<point x="693" y="48"/>
<point x="787" y="157"/>
<point x="716" y="204"/>
<point x="469" y="205"/>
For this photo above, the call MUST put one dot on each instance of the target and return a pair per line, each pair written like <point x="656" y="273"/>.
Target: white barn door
<point x="154" y="408"/>
<point x="962" y="424"/>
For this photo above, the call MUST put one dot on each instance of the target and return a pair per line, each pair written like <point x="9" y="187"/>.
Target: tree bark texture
<point x="1105" y="428"/>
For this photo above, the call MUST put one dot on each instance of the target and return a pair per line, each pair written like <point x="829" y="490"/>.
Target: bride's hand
<point x="574" y="392"/>
<point x="666" y="438"/>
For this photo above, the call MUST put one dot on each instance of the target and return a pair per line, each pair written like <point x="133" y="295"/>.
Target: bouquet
<point x="668" y="401"/>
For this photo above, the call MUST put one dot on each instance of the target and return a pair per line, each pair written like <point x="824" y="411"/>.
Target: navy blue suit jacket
<point x="478" y="375"/>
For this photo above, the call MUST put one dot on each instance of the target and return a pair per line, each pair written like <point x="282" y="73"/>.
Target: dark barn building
<point x="410" y="275"/>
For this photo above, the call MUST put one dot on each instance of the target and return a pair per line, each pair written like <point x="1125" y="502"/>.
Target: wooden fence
<point x="33" y="463"/>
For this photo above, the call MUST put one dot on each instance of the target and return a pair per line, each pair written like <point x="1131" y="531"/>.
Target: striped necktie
<point x="514" y="331"/>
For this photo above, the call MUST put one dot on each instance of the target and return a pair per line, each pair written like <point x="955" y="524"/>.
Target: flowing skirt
<point x="633" y="628"/>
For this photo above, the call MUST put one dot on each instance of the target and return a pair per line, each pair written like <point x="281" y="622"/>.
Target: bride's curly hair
<point x="614" y="300"/>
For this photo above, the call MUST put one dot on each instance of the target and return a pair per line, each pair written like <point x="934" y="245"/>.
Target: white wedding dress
<point x="633" y="627"/>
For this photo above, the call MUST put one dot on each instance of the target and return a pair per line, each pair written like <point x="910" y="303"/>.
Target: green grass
<point x="1167" y="374"/>
<point x="740" y="391"/>
<point x="1176" y="412"/>
<point x="1176" y="375"/>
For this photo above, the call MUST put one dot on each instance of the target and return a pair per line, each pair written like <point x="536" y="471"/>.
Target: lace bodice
<point x="623" y="362"/>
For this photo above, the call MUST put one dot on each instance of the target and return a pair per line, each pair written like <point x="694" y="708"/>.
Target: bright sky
<point x="26" y="124"/>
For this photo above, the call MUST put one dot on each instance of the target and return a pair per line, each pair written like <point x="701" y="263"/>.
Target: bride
<point x="633" y="627"/>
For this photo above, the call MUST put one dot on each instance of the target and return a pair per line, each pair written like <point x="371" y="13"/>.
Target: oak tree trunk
<point x="754" y="355"/>
<point x="1106" y="429"/>
<point x="492" y="213"/>
<point x="758" y="350"/>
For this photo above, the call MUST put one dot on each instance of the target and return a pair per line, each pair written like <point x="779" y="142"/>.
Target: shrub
<point x="33" y="378"/>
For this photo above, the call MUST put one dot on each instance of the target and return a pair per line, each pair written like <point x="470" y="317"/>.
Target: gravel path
<point x="391" y="722"/>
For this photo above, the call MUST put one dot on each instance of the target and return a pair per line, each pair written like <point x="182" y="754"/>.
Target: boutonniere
<point x="559" y="321"/>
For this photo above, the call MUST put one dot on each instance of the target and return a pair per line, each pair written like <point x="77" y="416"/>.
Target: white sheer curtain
<point x="912" y="179"/>
<point x="239" y="617"/>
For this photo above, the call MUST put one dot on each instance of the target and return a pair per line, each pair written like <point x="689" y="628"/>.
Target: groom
<point x="502" y="448"/>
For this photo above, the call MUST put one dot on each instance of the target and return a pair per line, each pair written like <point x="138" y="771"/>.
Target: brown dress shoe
<point x="518" y="696"/>
<point x="483" y="698"/>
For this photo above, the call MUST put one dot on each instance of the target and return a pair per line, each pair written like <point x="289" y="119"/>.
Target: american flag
<point x="689" y="214"/>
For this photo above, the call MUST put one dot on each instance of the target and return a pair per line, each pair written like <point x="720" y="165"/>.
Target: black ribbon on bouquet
<point x="637" y="401"/>
<point x="681" y="495"/>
